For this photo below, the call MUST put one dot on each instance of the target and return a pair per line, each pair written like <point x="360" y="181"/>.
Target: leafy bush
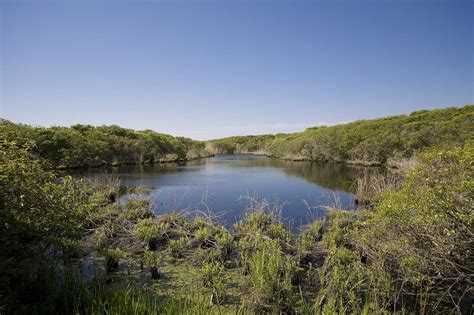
<point x="263" y="219"/>
<point x="178" y="247"/>
<point x="148" y="230"/>
<point x="224" y="242"/>
<point x="203" y="234"/>
<point x="136" y="209"/>
<point x="42" y="217"/>
<point x="152" y="261"/>
<point x="213" y="277"/>
<point x="413" y="251"/>
<point x="112" y="258"/>
<point x="427" y="227"/>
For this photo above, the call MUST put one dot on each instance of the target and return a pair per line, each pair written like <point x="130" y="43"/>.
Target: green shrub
<point x="178" y="247"/>
<point x="136" y="209"/>
<point x="424" y="230"/>
<point x="310" y="235"/>
<point x="149" y="230"/>
<point x="134" y="204"/>
<point x="224" y="242"/>
<point x="152" y="261"/>
<point x="42" y="217"/>
<point x="89" y="146"/>
<point x="203" y="234"/>
<point x="213" y="277"/>
<point x="262" y="219"/>
<point x="112" y="258"/>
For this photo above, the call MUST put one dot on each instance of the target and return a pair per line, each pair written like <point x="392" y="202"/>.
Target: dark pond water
<point x="225" y="183"/>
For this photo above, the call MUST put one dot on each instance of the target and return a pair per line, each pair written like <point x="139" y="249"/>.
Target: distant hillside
<point x="369" y="142"/>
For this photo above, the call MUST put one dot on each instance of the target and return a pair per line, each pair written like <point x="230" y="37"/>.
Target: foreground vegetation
<point x="89" y="146"/>
<point x="386" y="140"/>
<point x="71" y="247"/>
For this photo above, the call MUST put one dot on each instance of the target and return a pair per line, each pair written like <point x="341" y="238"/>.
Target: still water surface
<point x="224" y="184"/>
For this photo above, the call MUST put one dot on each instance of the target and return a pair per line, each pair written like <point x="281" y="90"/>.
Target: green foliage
<point x="152" y="261"/>
<point x="214" y="277"/>
<point x="136" y="209"/>
<point x="261" y="219"/>
<point x="42" y="216"/>
<point x="207" y="255"/>
<point x="309" y="236"/>
<point x="413" y="251"/>
<point x="224" y="242"/>
<point x="72" y="295"/>
<point x="85" y="145"/>
<point x="340" y="226"/>
<point x="368" y="142"/>
<point x="202" y="234"/>
<point x="134" y="204"/>
<point x="427" y="227"/>
<point x="148" y="230"/>
<point x="178" y="247"/>
<point x="112" y="258"/>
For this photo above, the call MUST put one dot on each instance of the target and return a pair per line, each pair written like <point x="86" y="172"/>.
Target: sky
<point x="210" y="69"/>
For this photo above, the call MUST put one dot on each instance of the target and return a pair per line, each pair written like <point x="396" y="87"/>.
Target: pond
<point x="226" y="184"/>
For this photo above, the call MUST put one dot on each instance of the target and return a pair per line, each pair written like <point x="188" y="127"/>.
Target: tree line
<point x="89" y="146"/>
<point x="372" y="142"/>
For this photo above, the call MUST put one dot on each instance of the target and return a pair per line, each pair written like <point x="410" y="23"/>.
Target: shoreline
<point x="360" y="163"/>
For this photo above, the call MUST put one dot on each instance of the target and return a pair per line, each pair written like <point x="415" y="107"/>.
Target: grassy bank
<point x="70" y="247"/>
<point x="386" y="140"/>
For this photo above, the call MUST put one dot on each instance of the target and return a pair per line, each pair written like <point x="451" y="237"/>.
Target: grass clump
<point x="270" y="279"/>
<point x="136" y="209"/>
<point x="265" y="219"/>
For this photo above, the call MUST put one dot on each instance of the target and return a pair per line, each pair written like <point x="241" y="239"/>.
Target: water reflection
<point x="304" y="189"/>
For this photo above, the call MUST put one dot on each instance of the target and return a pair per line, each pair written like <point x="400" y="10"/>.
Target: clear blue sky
<point x="219" y="68"/>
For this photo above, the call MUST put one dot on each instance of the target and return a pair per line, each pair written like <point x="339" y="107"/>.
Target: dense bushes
<point x="413" y="251"/>
<point x="427" y="228"/>
<point x="84" y="145"/>
<point x="368" y="142"/>
<point x="41" y="219"/>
